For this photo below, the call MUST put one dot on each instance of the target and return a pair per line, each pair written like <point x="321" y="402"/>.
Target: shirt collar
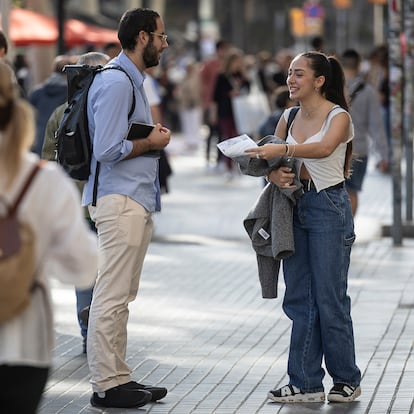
<point x="126" y="63"/>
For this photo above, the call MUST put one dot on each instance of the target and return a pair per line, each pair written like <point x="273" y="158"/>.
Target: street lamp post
<point x="60" y="13"/>
<point x="396" y="98"/>
<point x="408" y="26"/>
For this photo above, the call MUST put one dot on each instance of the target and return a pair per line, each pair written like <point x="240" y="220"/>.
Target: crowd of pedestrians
<point x="130" y="184"/>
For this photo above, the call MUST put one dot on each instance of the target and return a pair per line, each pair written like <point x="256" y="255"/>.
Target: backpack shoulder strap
<point x="113" y="66"/>
<point x="26" y="185"/>
<point x="355" y="92"/>
<point x="291" y="117"/>
<point x="131" y="111"/>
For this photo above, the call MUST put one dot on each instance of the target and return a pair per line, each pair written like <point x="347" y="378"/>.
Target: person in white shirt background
<point x="152" y="90"/>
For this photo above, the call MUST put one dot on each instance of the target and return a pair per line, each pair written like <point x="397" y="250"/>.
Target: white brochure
<point x="235" y="147"/>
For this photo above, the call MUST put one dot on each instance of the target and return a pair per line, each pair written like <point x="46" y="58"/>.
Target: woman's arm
<point x="337" y="132"/>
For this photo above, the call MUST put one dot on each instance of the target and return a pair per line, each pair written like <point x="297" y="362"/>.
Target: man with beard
<point x="127" y="194"/>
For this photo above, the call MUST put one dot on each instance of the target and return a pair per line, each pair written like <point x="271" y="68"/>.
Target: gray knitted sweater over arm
<point x="269" y="222"/>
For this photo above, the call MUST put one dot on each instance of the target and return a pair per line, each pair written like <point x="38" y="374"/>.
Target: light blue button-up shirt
<point x="109" y="102"/>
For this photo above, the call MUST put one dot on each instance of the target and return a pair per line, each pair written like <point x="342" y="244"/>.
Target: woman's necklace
<point x="308" y="114"/>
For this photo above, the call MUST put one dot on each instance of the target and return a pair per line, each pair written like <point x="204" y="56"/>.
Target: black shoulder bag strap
<point x="356" y="91"/>
<point x="291" y="117"/>
<point x="131" y="111"/>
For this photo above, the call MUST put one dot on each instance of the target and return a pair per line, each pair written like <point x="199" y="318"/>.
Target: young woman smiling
<point x="316" y="276"/>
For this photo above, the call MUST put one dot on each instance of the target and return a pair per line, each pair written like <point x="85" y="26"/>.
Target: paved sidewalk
<point x="201" y="328"/>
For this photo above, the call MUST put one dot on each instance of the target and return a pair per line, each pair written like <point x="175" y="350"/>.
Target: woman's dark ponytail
<point x="336" y="93"/>
<point x="335" y="87"/>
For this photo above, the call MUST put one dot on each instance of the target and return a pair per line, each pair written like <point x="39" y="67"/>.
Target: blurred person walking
<point x="282" y="102"/>
<point x="83" y="296"/>
<point x="209" y="72"/>
<point x="190" y="106"/>
<point x="65" y="249"/>
<point x="265" y="65"/>
<point x="318" y="43"/>
<point x="377" y="74"/>
<point x="365" y="110"/>
<point x="152" y="90"/>
<point x="283" y="59"/>
<point x="233" y="81"/>
<point x="127" y="194"/>
<point x="23" y="73"/>
<point x="4" y="49"/>
<point x="316" y="275"/>
<point x="47" y="96"/>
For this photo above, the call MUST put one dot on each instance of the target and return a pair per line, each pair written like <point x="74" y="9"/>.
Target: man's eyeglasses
<point x="163" y="37"/>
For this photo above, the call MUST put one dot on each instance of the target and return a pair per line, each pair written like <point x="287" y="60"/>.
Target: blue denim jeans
<point x="83" y="299"/>
<point x="84" y="296"/>
<point x="316" y="298"/>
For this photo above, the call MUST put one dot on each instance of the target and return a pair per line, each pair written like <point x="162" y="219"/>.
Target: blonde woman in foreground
<point x="64" y="248"/>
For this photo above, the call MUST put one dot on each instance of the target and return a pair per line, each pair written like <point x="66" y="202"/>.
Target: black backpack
<point x="74" y="147"/>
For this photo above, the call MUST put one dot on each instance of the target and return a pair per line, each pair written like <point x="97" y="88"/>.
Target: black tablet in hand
<point x="139" y="130"/>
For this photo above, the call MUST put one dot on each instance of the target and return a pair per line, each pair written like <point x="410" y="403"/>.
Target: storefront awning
<point x="30" y="28"/>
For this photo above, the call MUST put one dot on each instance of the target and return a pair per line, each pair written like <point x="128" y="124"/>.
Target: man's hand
<point x="159" y="137"/>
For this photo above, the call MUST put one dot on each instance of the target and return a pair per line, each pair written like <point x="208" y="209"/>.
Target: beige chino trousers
<point x="124" y="233"/>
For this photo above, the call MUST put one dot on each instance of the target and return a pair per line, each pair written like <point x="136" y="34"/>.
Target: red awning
<point x="27" y="27"/>
<point x="31" y="28"/>
<point x="77" y="33"/>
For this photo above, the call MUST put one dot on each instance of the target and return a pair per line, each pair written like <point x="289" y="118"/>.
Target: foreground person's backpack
<point x="74" y="148"/>
<point x="17" y="258"/>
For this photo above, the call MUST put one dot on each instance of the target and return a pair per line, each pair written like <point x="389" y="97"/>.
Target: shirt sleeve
<point x="109" y="109"/>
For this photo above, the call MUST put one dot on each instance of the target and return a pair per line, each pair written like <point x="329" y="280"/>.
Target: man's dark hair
<point x="350" y="59"/>
<point x="3" y="42"/>
<point x="132" y="22"/>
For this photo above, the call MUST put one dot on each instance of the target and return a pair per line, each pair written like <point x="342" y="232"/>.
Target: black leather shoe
<point x="121" y="397"/>
<point x="156" y="392"/>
